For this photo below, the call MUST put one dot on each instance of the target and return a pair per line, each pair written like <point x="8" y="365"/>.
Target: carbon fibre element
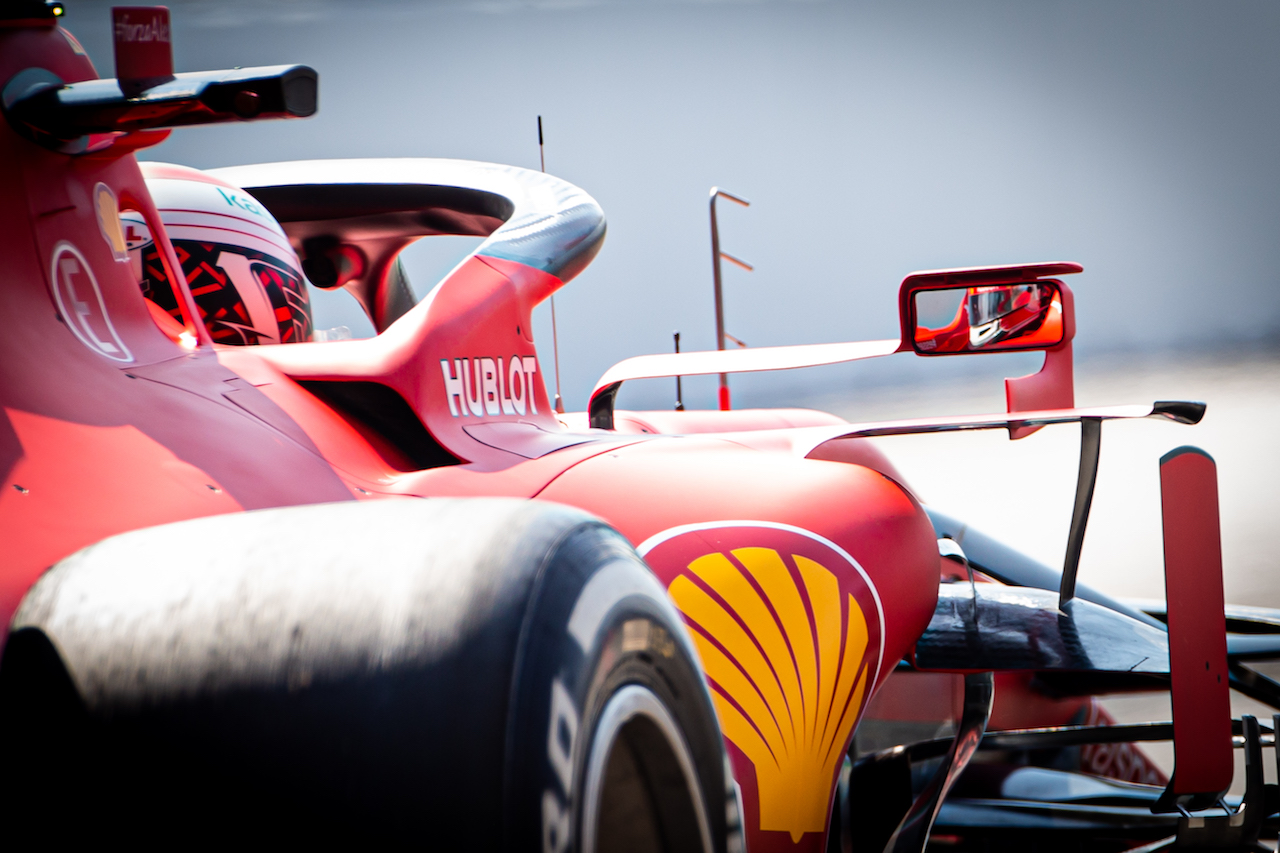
<point x="1001" y="628"/>
<point x="533" y="218"/>
<point x="43" y="108"/>
<point x="912" y="835"/>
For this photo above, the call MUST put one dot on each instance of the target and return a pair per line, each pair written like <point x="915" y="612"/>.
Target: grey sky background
<point x="873" y="139"/>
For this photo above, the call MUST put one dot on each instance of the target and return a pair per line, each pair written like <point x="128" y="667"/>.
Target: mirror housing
<point x="1017" y="288"/>
<point x="987" y="309"/>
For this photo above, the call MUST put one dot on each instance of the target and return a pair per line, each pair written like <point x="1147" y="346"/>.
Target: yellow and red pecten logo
<point x="788" y="649"/>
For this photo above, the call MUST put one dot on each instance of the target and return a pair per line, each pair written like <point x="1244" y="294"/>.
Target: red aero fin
<point x="1053" y="386"/>
<point x="1197" y="624"/>
<point x="144" y="51"/>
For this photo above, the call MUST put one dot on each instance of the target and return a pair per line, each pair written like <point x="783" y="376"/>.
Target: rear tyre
<point x="484" y="674"/>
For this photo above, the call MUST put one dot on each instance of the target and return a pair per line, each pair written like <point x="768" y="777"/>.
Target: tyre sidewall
<point x="597" y="621"/>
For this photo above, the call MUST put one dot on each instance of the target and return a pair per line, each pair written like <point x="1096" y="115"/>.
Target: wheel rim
<point x="642" y="791"/>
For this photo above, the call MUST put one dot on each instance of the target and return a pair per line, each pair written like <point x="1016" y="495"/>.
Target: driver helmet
<point x="242" y="272"/>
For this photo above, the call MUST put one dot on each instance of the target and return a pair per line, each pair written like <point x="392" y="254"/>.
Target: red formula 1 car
<point x="232" y="615"/>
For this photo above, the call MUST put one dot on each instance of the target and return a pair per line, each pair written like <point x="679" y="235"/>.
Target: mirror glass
<point x="989" y="318"/>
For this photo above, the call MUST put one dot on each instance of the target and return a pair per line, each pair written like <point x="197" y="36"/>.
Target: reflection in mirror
<point x="989" y="318"/>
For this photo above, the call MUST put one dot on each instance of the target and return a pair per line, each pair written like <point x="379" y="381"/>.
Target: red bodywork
<point x="111" y="424"/>
<point x="1198" y="640"/>
<point x="802" y="562"/>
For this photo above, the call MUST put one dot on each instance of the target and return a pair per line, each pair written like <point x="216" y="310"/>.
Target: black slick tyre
<point x="478" y="674"/>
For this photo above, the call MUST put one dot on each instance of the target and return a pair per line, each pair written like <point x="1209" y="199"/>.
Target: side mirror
<point x="1011" y="308"/>
<point x="1026" y="315"/>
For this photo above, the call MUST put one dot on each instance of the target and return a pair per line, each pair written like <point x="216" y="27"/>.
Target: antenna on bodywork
<point x="555" y="337"/>
<point x="679" y="389"/>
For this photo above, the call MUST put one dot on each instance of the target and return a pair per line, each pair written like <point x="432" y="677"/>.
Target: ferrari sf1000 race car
<point x="261" y="584"/>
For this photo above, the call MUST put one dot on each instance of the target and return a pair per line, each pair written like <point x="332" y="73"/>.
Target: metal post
<point x="716" y="255"/>
<point x="558" y="402"/>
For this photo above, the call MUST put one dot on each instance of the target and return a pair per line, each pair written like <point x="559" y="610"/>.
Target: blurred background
<point x="1138" y="138"/>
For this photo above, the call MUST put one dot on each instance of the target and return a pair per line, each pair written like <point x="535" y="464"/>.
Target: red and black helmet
<point x="243" y="273"/>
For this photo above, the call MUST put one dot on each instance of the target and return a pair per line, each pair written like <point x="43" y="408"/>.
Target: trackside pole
<point x="1197" y="630"/>
<point x="716" y="256"/>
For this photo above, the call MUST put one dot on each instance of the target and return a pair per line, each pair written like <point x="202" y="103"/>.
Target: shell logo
<point x="789" y="653"/>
